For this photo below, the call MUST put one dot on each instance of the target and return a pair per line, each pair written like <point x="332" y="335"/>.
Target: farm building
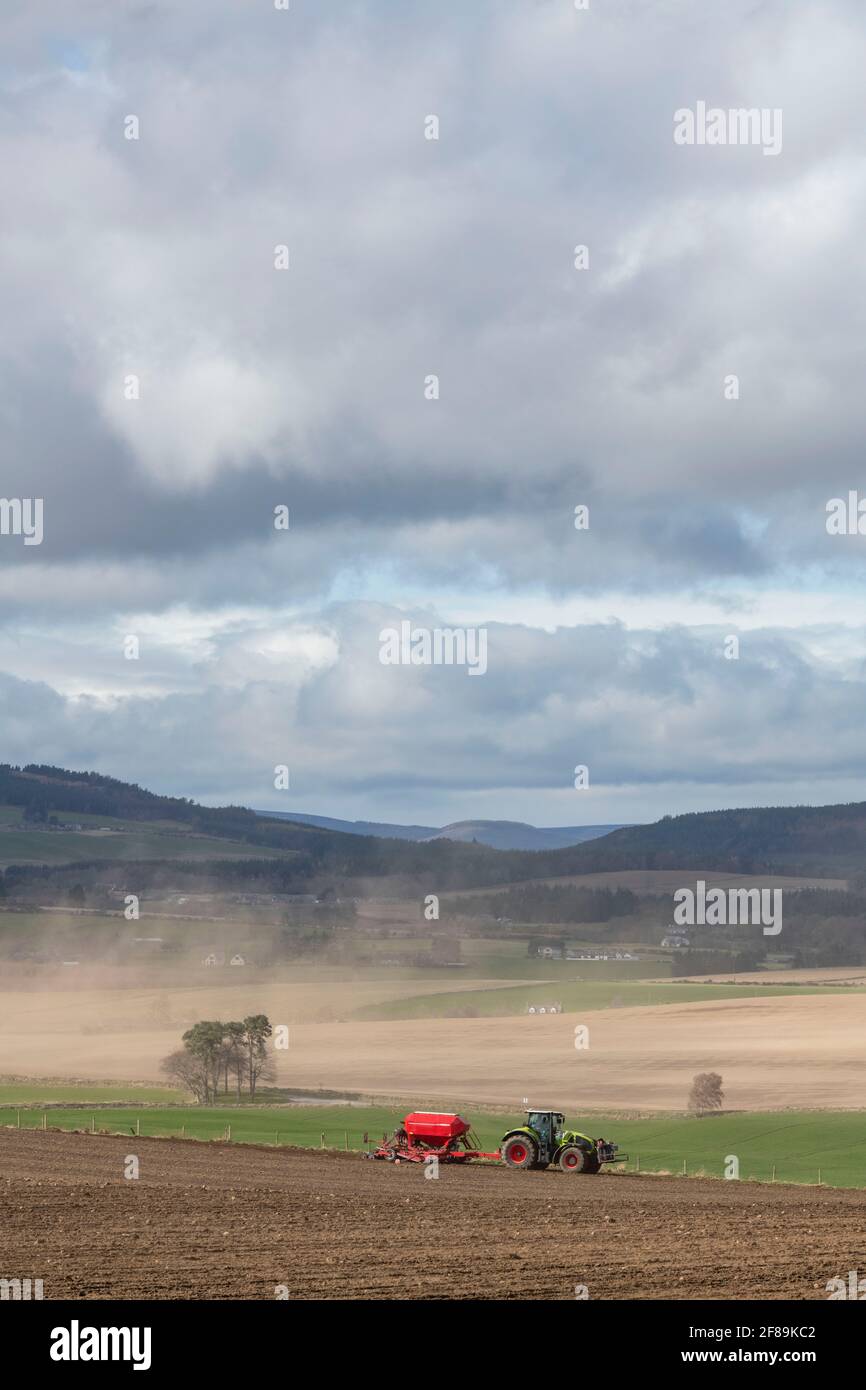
<point x="675" y="940"/>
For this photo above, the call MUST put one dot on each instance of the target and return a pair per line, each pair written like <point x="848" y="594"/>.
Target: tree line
<point x="548" y="902"/>
<point x="213" y="1052"/>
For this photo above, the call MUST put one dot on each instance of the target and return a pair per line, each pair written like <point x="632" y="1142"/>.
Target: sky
<point x="324" y="259"/>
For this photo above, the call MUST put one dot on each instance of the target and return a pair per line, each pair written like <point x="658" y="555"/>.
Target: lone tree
<point x="706" y="1093"/>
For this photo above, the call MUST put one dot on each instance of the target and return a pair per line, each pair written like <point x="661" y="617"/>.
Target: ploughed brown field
<point x="212" y="1221"/>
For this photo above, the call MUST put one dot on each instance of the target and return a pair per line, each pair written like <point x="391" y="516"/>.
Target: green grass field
<point x="574" y="997"/>
<point x="148" y="840"/>
<point x="36" y="847"/>
<point x="32" y="923"/>
<point x="796" y="1144"/>
<point x="297" y="1125"/>
<point x="37" y="1092"/>
<point x="486" y="958"/>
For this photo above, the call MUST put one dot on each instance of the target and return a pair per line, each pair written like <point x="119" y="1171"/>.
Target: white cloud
<point x="558" y="387"/>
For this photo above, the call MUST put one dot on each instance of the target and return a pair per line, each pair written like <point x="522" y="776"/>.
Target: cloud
<point x="641" y="709"/>
<point x="410" y="257"/>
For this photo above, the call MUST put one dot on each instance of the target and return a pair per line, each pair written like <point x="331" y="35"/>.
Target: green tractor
<point x="543" y="1140"/>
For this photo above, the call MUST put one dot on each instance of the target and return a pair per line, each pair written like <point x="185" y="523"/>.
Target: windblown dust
<point x="804" y="1051"/>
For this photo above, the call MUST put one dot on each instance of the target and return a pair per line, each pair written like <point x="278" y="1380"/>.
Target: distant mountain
<point x="498" y="834"/>
<point x="512" y="834"/>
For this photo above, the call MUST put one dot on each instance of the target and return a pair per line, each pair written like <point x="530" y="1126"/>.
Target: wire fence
<point x="781" y="1170"/>
<point x="215" y="1129"/>
<point x="199" y="1127"/>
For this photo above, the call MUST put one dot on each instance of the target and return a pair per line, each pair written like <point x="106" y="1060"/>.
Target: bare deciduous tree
<point x="188" y="1071"/>
<point x="706" y="1093"/>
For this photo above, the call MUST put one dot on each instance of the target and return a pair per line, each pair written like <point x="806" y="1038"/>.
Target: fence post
<point x="637" y="1162"/>
<point x="18" y="1114"/>
<point x="138" y="1124"/>
<point x="228" y="1132"/>
<point x="684" y="1168"/>
<point x="773" y="1179"/>
<point x="93" y="1124"/>
<point x="183" y="1131"/>
<point x="819" y="1177"/>
<point x="44" y="1119"/>
<point x="322" y="1145"/>
<point x="346" y="1137"/>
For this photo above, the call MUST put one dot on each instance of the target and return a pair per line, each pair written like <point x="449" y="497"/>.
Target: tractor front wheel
<point x="573" y="1159"/>
<point x="519" y="1152"/>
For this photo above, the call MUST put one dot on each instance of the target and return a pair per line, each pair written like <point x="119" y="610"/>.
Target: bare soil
<point x="216" y="1221"/>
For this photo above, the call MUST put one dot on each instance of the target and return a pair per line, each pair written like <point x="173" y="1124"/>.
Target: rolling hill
<point x="829" y="840"/>
<point x="825" y="841"/>
<point x="498" y="834"/>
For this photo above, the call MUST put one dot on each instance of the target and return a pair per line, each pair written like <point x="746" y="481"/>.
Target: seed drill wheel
<point x="519" y="1152"/>
<point x="573" y="1159"/>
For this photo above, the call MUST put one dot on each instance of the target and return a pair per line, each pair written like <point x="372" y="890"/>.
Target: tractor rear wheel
<point x="519" y="1151"/>
<point x="573" y="1159"/>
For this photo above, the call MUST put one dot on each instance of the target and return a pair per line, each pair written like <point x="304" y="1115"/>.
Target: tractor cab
<point x="547" y="1124"/>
